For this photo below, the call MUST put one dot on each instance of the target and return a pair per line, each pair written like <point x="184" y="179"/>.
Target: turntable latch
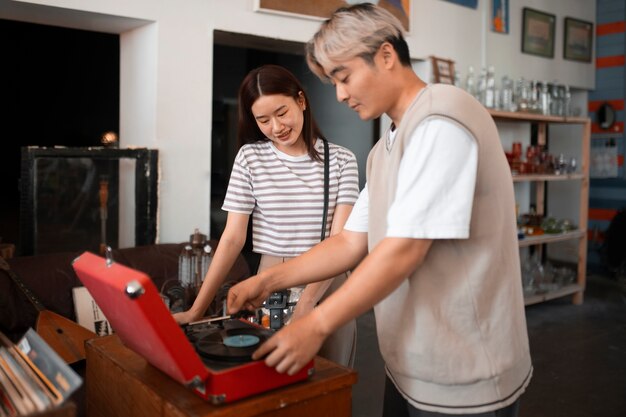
<point x="218" y="399"/>
<point x="134" y="289"/>
<point x="109" y="256"/>
<point x="197" y="384"/>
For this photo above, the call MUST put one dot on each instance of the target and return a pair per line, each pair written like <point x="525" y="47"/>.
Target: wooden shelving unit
<point x="579" y="235"/>
<point x="551" y="238"/>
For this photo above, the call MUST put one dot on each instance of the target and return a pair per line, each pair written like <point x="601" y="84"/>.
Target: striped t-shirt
<point x="285" y="194"/>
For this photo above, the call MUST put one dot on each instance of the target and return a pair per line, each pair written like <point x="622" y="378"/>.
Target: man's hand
<point x="248" y="294"/>
<point x="302" y="309"/>
<point x="293" y="346"/>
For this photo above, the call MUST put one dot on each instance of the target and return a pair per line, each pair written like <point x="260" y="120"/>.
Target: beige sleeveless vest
<point x="453" y="335"/>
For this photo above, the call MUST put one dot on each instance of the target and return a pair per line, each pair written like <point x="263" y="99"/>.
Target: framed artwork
<point x="538" y="33"/>
<point x="577" y="40"/>
<point x="500" y="16"/>
<point x="323" y="9"/>
<point x="443" y="70"/>
<point x="472" y="4"/>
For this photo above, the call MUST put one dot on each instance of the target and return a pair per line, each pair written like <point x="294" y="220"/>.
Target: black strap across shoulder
<point x="279" y="300"/>
<point x="326" y="186"/>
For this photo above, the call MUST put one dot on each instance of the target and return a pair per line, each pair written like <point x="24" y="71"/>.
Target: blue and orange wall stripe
<point x="607" y="195"/>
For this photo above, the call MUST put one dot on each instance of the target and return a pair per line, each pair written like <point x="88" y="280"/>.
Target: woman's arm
<point x="229" y="247"/>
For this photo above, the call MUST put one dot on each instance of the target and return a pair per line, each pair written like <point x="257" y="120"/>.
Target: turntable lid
<point x="138" y="315"/>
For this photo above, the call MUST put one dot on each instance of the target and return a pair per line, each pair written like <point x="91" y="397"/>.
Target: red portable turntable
<point x="140" y="318"/>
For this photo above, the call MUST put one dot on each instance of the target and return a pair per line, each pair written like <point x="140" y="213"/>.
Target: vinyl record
<point x="231" y="345"/>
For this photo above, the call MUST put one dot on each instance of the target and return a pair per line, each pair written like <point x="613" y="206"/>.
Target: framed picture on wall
<point x="500" y="16"/>
<point x="577" y="40"/>
<point x="538" y="33"/>
<point x="467" y="3"/>
<point x="323" y="9"/>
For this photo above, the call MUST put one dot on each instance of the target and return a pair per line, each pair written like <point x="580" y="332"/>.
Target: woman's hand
<point x="184" y="317"/>
<point x="247" y="295"/>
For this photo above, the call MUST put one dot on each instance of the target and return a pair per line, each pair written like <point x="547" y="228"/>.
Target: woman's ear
<point x="301" y="100"/>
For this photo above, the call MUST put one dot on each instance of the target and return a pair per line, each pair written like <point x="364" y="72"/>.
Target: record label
<point x="234" y="343"/>
<point x="242" y="340"/>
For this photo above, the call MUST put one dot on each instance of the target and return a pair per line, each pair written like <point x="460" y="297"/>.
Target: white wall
<point x="451" y="31"/>
<point x="166" y="70"/>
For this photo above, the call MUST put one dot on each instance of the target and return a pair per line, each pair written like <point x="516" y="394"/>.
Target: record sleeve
<point x="52" y="370"/>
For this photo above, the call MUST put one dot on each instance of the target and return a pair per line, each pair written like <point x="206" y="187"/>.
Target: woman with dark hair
<point x="278" y="178"/>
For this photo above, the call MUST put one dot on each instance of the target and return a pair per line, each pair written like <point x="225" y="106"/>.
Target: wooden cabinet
<point x="550" y="193"/>
<point x="122" y="383"/>
<point x="65" y="410"/>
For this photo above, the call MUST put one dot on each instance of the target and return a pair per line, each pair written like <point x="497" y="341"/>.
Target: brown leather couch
<point x="51" y="278"/>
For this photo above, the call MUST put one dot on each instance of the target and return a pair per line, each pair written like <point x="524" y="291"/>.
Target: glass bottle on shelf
<point x="555" y="100"/>
<point x="567" y="101"/>
<point x="482" y="86"/>
<point x="533" y="103"/>
<point x="523" y="95"/>
<point x="544" y="100"/>
<point x="470" y="82"/>
<point x="506" y="95"/>
<point x="490" y="89"/>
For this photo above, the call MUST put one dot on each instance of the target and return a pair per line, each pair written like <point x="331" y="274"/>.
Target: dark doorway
<point x="60" y="87"/>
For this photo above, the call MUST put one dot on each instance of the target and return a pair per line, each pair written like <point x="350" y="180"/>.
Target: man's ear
<point x="388" y="54"/>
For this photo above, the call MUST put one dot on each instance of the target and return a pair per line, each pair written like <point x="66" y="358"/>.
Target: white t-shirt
<point x="436" y="181"/>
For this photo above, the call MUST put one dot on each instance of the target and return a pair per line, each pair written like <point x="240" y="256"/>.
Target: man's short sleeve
<point x="358" y="219"/>
<point x="436" y="180"/>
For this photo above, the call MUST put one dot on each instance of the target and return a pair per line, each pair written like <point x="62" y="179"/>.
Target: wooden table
<point x="121" y="383"/>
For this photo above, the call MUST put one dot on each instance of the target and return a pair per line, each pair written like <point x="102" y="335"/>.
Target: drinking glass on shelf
<point x="523" y="94"/>
<point x="560" y="165"/>
<point x="556" y="102"/>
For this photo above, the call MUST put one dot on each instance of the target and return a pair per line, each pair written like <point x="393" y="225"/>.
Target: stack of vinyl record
<point x="33" y="377"/>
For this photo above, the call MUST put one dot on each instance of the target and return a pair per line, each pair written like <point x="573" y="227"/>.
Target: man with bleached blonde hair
<point x="432" y="237"/>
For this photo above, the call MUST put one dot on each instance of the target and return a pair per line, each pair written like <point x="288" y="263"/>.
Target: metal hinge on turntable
<point x="197" y="384"/>
<point x="218" y="399"/>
